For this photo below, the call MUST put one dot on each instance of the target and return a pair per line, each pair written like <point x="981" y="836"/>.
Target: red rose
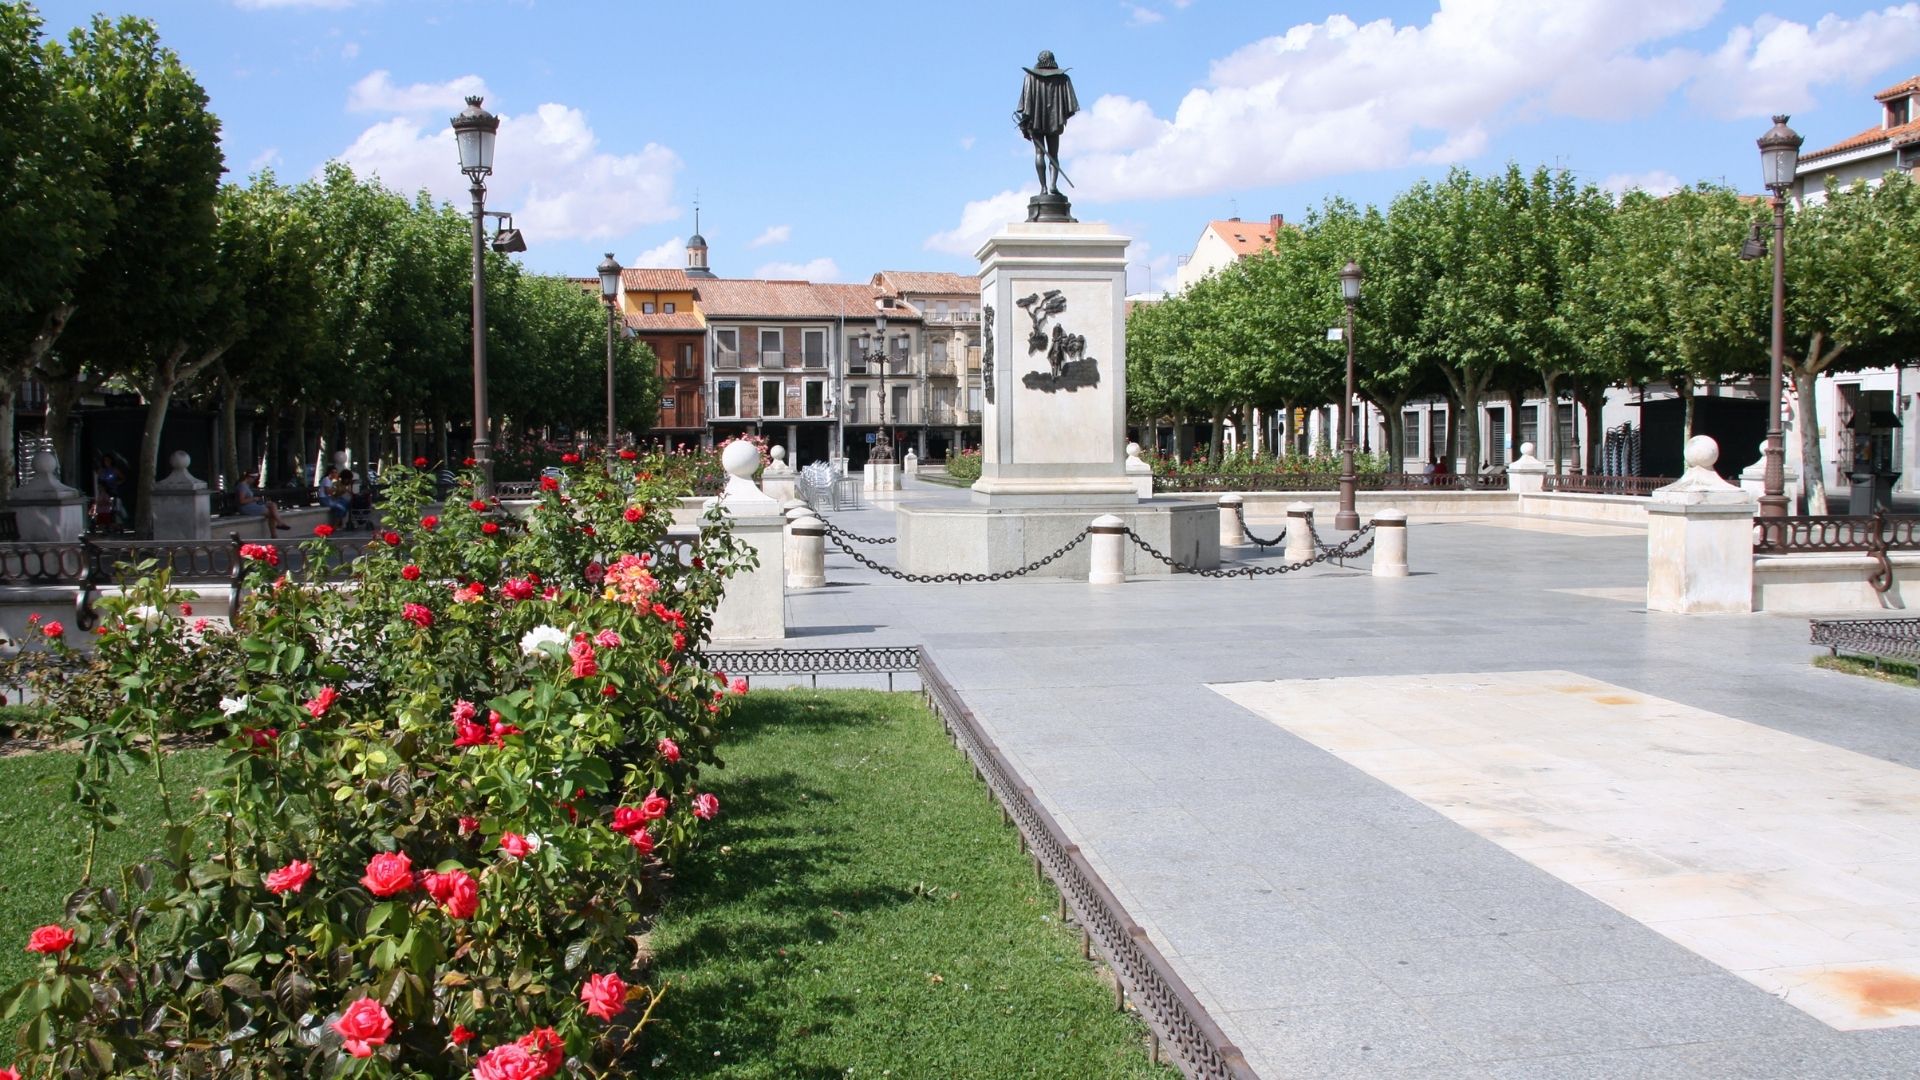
<point x="53" y="629"/>
<point x="609" y="691"/>
<point x="654" y="806"/>
<point x="705" y="806"/>
<point x="265" y="553"/>
<point x="477" y="506"/>
<point x="50" y="939"/>
<point x="418" y="614"/>
<point x="517" y="589"/>
<point x="605" y="996"/>
<point x="388" y="873"/>
<point x="468" y="824"/>
<point x="322" y="701"/>
<point x="186" y="609"/>
<point x="626" y="820"/>
<point x="546" y="1045"/>
<point x="641" y="839"/>
<point x="548" y="483"/>
<point x="459" y="1035"/>
<point x="469" y="462"/>
<point x="419" y="463"/>
<point x="679" y="641"/>
<point x="628" y="455"/>
<point x="490" y="527"/>
<point x="515" y="845"/>
<point x="459" y="895"/>
<point x="363" y="1026"/>
<point x="509" y="1062"/>
<point x="468" y="733"/>
<point x="670" y="750"/>
<point x="392" y="538"/>
<point x="410" y="572"/>
<point x="569" y="459"/>
<point x="429" y="522"/>
<point x="289" y="878"/>
<point x="323" y="530"/>
<point x="633" y="514"/>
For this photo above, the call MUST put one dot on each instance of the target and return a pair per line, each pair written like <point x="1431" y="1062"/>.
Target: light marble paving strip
<point x="1793" y="864"/>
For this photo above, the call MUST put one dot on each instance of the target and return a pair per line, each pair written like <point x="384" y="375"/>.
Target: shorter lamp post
<point x="883" y="441"/>
<point x="1779" y="159"/>
<point x="610" y="292"/>
<point x="1347" y="518"/>
<point x="474" y="131"/>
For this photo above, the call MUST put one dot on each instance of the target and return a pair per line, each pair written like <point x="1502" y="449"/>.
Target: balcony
<point x="949" y="318"/>
<point x="726" y="359"/>
<point x="952" y="416"/>
<point x="866" y="412"/>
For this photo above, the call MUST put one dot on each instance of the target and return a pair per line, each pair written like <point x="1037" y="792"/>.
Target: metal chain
<point x="1240" y="511"/>
<point x="1335" y="551"/>
<point x="941" y="579"/>
<point x="837" y="532"/>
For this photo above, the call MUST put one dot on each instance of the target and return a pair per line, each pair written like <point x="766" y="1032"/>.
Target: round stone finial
<point x="45" y="464"/>
<point x="1133" y="449"/>
<point x="740" y="459"/>
<point x="180" y="460"/>
<point x="1526" y="449"/>
<point x="1702" y="452"/>
<point x="778" y="453"/>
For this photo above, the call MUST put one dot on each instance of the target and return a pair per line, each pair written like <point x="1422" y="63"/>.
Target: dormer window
<point x="1899" y="111"/>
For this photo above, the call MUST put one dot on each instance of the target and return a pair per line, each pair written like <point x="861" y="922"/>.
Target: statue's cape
<point x="1047" y="101"/>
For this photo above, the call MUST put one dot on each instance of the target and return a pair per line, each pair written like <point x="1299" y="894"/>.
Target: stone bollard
<point x="181" y="504"/>
<point x="910" y="465"/>
<point x="1526" y="474"/>
<point x="776" y="480"/>
<point x="1300" y="532"/>
<point x="46" y="510"/>
<point x="1230" y="520"/>
<point x="753" y="607"/>
<point x="806" y="553"/>
<point x="1139" y="472"/>
<point x="1106" y="561"/>
<point x="1390" y="544"/>
<point x="1700" y="540"/>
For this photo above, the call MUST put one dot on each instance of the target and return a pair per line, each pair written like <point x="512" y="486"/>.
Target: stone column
<point x="46" y="510"/>
<point x="1700" y="540"/>
<point x="180" y="504"/>
<point x="1106" y="561"/>
<point x="1526" y="473"/>
<point x="806" y="553"/>
<point x="1300" y="532"/>
<point x="753" y="608"/>
<point x="1139" y="472"/>
<point x="1390" y="544"/>
<point x="1230" y="521"/>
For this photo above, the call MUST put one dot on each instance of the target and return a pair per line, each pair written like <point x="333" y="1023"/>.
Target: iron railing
<point x="1589" y="484"/>
<point x="813" y="663"/>
<point x="41" y="564"/>
<point x="1840" y="534"/>
<point x="1315" y="481"/>
<point x="1893" y="639"/>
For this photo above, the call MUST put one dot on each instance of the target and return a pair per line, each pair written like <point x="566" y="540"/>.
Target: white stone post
<point x="180" y="504"/>
<point x="806" y="553"/>
<point x="1139" y="472"/>
<point x="46" y="510"/>
<point x="1700" y="540"/>
<point x="1230" y="520"/>
<point x="1753" y="478"/>
<point x="1390" y="543"/>
<point x="776" y="480"/>
<point x="1106" y="562"/>
<point x="910" y="465"/>
<point x="1526" y="473"/>
<point x="753" y="608"/>
<point x="1300" y="532"/>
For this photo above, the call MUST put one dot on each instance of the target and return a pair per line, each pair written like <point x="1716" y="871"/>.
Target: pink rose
<point x="607" y="639"/>
<point x="670" y="750"/>
<point x="515" y="845"/>
<point x="642" y="840"/>
<point x="289" y="878"/>
<point x="738" y="686"/>
<point x="50" y="939"/>
<point x="388" y="873"/>
<point x="458" y="895"/>
<point x="363" y="1026"/>
<point x="322" y="701"/>
<point x="418" y="614"/>
<point x="464" y="711"/>
<point x="605" y="995"/>
<point x="654" y="806"/>
<point x="705" y="806"/>
<point x="468" y="823"/>
<point x="509" y="1062"/>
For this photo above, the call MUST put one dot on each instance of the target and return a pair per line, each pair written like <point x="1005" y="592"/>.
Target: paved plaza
<point x="1494" y="820"/>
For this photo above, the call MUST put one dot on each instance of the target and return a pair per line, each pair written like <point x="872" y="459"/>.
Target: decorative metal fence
<point x="1205" y="482"/>
<point x="1591" y="484"/>
<point x="1836" y="534"/>
<point x="1893" y="639"/>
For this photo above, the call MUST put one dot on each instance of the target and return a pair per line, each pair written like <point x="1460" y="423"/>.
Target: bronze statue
<point x="1047" y="102"/>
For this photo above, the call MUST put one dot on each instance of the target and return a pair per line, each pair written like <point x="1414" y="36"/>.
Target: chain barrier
<point x="942" y="579"/>
<point x="837" y="532"/>
<point x="1341" y="551"/>
<point x="1240" y="511"/>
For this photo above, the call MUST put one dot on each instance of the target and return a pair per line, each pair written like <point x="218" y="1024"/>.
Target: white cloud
<point x="265" y="159"/>
<point x="350" y="50"/>
<point x="821" y="269"/>
<point x="1773" y="65"/>
<point x="1142" y="16"/>
<point x="1655" y="182"/>
<point x="980" y="219"/>
<point x="1148" y="272"/>
<point x="378" y="93"/>
<point x="549" y="171"/>
<point x="670" y="255"/>
<point x="966" y="142"/>
<point x="263" y="5"/>
<point x="1337" y="96"/>
<point x="775" y="234"/>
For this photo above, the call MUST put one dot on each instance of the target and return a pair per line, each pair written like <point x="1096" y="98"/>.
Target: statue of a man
<point x="1046" y="103"/>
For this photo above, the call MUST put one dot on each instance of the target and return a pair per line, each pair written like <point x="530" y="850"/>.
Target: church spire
<point x="697" y="246"/>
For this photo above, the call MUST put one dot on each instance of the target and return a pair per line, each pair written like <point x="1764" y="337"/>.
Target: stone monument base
<point x="992" y="539"/>
<point x="1022" y="492"/>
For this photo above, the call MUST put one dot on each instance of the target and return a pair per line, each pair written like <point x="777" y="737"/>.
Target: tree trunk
<point x="440" y="450"/>
<point x="1550" y="422"/>
<point x="159" y="395"/>
<point x="1464" y="429"/>
<point x="1685" y="387"/>
<point x="300" y="444"/>
<point x="230" y="431"/>
<point x="61" y="398"/>
<point x="1396" y="440"/>
<point x="1214" y="437"/>
<point x="8" y="389"/>
<point x="1806" y="417"/>
<point x="1592" y="401"/>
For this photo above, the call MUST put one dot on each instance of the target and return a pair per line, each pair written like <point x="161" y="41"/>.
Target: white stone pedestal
<point x="1139" y="472"/>
<point x="180" y="504"/>
<point x="880" y="478"/>
<point x="754" y="606"/>
<point x="1700" y="540"/>
<point x="1054" y="370"/>
<point x="46" y="510"/>
<point x="776" y="480"/>
<point x="1526" y="474"/>
<point x="1753" y="478"/>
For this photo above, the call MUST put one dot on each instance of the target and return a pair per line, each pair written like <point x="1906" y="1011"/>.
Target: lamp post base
<point x="1346" y="518"/>
<point x="1774" y="502"/>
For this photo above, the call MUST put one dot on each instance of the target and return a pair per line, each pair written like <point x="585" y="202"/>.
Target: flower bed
<point x="964" y="465"/>
<point x="448" y="788"/>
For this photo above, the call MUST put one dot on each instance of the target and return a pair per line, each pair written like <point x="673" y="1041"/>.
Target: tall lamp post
<point x="1779" y="158"/>
<point x="1347" y="518"/>
<point x="474" y="130"/>
<point x="610" y="292"/>
<point x="883" y="442"/>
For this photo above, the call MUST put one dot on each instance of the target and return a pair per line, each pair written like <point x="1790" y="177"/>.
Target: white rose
<point x="233" y="706"/>
<point x="146" y="615"/>
<point x="539" y="636"/>
<point x="534" y="842"/>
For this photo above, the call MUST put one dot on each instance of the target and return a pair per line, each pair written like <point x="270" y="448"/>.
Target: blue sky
<point x="836" y="138"/>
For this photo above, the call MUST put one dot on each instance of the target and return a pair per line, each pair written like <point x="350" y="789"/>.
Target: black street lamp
<point x="610" y="292"/>
<point x="474" y="129"/>
<point x="1347" y="518"/>
<point x="1779" y="159"/>
<point x="883" y="442"/>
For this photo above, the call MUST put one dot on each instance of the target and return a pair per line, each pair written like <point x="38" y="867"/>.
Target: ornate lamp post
<point x="1779" y="157"/>
<point x="610" y="292"/>
<point x="1347" y="518"/>
<point x="474" y="130"/>
<point x="883" y="442"/>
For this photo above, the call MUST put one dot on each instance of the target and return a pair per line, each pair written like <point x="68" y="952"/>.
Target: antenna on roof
<point x="696" y="210"/>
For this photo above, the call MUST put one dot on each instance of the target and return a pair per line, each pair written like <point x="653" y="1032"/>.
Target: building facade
<point x="947" y="397"/>
<point x="661" y="308"/>
<point x="1223" y="243"/>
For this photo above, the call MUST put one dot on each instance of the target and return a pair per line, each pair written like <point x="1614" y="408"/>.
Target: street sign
<point x="1336" y="333"/>
<point x="870" y="438"/>
<point x="666" y="403"/>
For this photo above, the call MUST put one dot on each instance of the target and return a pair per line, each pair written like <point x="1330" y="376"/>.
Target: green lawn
<point x="862" y="911"/>
<point x="1893" y="671"/>
<point x="45" y="845"/>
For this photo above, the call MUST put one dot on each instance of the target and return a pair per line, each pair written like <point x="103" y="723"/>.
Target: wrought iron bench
<point x="1872" y="535"/>
<point x="193" y="562"/>
<point x="1890" y="639"/>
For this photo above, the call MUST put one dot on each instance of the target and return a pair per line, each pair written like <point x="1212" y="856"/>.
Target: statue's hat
<point x="1045" y="65"/>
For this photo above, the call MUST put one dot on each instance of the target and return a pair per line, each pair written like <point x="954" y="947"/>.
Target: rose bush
<point x="455" y="769"/>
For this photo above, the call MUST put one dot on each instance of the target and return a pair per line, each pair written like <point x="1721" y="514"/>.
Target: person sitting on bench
<point x="252" y="505"/>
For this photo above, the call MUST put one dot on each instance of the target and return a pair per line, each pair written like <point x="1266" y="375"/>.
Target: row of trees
<point x="1518" y="283"/>
<point x="133" y="266"/>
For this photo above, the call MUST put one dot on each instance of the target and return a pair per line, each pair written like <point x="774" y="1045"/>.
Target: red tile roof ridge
<point x="1909" y="86"/>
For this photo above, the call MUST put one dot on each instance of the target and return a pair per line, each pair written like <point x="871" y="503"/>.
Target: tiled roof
<point x="856" y="302"/>
<point x="1911" y="86"/>
<point x="927" y="283"/>
<point x="661" y="323"/>
<point x="736" y="298"/>
<point x="1872" y="136"/>
<point x="649" y="279"/>
<point x="1244" y="237"/>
